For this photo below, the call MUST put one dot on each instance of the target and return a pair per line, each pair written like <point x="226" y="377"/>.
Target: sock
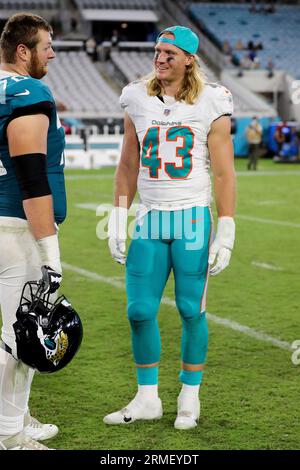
<point x="189" y="390"/>
<point x="148" y="392"/>
<point x="147" y="375"/>
<point x="190" y="377"/>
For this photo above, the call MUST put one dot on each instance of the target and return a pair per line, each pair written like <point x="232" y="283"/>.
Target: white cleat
<point x="21" y="442"/>
<point x="34" y="429"/>
<point x="137" y="409"/>
<point x="188" y="412"/>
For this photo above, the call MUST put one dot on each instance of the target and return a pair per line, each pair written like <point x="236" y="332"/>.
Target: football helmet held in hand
<point x="48" y="334"/>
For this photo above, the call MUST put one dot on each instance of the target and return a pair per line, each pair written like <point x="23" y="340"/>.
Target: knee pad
<point x="188" y="309"/>
<point x="138" y="311"/>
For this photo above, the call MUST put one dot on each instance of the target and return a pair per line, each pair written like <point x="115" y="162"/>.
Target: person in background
<point x="254" y="139"/>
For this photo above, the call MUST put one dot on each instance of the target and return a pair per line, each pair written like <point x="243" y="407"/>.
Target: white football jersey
<point x="174" y="157"/>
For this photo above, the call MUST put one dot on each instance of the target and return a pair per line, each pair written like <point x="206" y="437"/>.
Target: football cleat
<point x="21" y="442"/>
<point x="137" y="409"/>
<point x="188" y="412"/>
<point x="37" y="430"/>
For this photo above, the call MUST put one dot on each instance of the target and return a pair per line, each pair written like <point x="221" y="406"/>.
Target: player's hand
<point x="50" y="279"/>
<point x="117" y="233"/>
<point x="50" y="261"/>
<point x="221" y="248"/>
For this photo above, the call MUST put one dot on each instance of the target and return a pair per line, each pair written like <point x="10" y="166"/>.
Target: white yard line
<point x="268" y="221"/>
<point x="268" y="173"/>
<point x="271" y="203"/>
<point x="246" y="330"/>
<point x="88" y="177"/>
<point x="266" y="266"/>
<point x="88" y="206"/>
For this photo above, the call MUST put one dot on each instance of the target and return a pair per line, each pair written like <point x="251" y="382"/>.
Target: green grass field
<point x="250" y="392"/>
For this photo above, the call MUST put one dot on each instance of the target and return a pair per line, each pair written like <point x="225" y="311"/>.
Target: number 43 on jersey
<point x="150" y="151"/>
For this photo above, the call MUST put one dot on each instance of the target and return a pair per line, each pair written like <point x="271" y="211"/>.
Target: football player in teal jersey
<point x="176" y="126"/>
<point x="32" y="204"/>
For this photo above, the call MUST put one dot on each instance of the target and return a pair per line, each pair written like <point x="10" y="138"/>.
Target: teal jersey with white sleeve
<point x="21" y="96"/>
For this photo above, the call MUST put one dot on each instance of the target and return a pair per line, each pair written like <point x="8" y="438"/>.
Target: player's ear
<point x="189" y="60"/>
<point x="23" y="52"/>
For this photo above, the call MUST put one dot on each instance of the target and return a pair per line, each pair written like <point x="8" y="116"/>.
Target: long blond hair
<point x="191" y="87"/>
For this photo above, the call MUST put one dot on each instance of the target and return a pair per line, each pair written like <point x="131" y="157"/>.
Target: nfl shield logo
<point x="167" y="112"/>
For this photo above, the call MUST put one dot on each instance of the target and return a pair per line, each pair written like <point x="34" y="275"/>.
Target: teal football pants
<point x="162" y="241"/>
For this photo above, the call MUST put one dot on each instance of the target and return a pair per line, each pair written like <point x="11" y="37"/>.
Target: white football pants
<point x="19" y="263"/>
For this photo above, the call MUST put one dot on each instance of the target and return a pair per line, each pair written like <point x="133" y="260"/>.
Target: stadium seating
<point x="29" y="4"/>
<point x="77" y="84"/>
<point x="118" y="4"/>
<point x="279" y="32"/>
<point x="133" y="64"/>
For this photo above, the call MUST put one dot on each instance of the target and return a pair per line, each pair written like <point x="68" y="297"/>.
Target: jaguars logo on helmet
<point x="48" y="334"/>
<point x="55" y="348"/>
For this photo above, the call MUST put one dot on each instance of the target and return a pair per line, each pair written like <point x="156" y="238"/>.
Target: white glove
<point x="51" y="266"/>
<point x="117" y="233"/>
<point x="220" y="249"/>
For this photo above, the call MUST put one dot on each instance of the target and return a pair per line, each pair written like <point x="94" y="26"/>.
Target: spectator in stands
<point x="256" y="63"/>
<point x="270" y="68"/>
<point x="74" y="25"/>
<point x="239" y="45"/>
<point x="271" y="7"/>
<point x="60" y="106"/>
<point x="56" y="26"/>
<point x="66" y="127"/>
<point x="227" y="50"/>
<point x="250" y="46"/>
<point x="252" y="55"/>
<point x="263" y="8"/>
<point x="294" y="143"/>
<point x="253" y="8"/>
<point x="282" y="136"/>
<point x="233" y="128"/>
<point x="254" y="139"/>
<point x="91" y="48"/>
<point x="246" y="62"/>
<point x="115" y="38"/>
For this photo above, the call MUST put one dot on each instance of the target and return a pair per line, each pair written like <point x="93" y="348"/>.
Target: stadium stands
<point x="78" y="85"/>
<point x="118" y="4"/>
<point x="278" y="32"/>
<point x="28" y="4"/>
<point x="133" y="64"/>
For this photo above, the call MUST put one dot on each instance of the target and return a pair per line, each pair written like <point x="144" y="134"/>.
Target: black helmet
<point x="48" y="335"/>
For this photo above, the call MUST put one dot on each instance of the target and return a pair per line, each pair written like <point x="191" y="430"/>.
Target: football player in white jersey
<point x="176" y="127"/>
